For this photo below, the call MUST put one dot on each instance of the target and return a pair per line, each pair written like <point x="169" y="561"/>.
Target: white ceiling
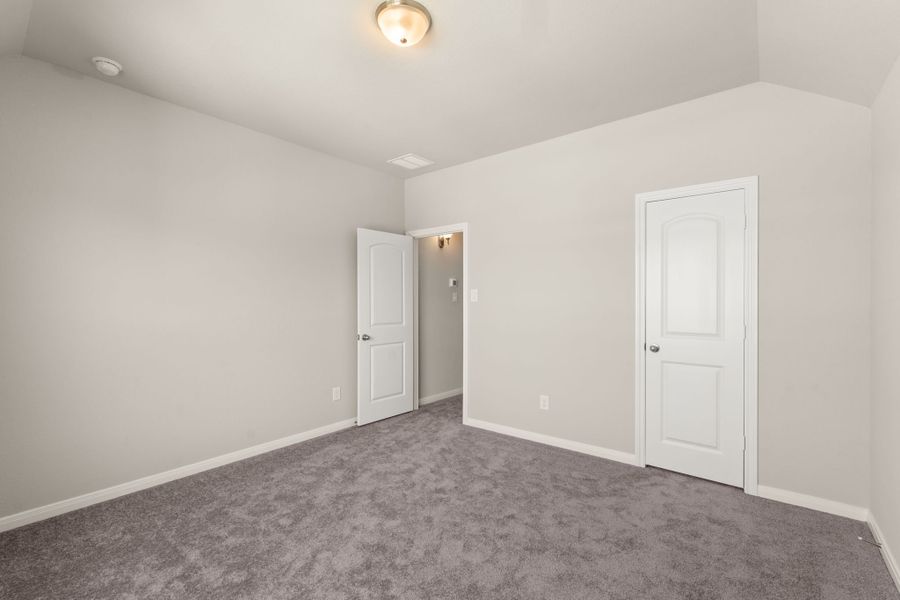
<point x="838" y="48"/>
<point x="491" y="75"/>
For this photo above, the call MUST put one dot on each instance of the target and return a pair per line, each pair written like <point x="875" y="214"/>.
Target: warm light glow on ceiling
<point x="403" y="22"/>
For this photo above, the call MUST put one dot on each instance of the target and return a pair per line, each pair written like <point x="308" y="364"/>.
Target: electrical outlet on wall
<point x="335" y="394"/>
<point x="544" y="402"/>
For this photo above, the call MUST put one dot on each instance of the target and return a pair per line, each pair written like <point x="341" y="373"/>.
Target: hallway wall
<point x="440" y="317"/>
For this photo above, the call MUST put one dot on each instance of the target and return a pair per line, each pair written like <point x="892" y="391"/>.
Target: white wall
<point x="158" y="305"/>
<point x="14" y="15"/>
<point x="440" y="318"/>
<point x="551" y="250"/>
<point x="172" y="287"/>
<point x="886" y="313"/>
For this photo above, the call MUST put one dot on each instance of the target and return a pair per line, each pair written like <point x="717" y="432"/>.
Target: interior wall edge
<point x="885" y="324"/>
<point x="890" y="559"/>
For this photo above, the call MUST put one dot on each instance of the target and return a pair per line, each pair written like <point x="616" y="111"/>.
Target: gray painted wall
<point x="172" y="287"/>
<point x="14" y="15"/>
<point x="440" y="319"/>
<point x="159" y="304"/>
<point x="886" y="313"/>
<point x="551" y="250"/>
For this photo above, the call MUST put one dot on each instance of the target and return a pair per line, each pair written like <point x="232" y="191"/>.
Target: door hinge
<point x="745" y="221"/>
<point x="745" y="332"/>
<point x="744" y="447"/>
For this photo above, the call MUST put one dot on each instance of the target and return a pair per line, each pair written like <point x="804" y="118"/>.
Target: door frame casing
<point x="418" y="234"/>
<point x="750" y="186"/>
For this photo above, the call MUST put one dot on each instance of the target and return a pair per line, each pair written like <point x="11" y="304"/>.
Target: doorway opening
<point x="441" y="314"/>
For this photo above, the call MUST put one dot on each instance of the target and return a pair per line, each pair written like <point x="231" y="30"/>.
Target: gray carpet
<point x="421" y="507"/>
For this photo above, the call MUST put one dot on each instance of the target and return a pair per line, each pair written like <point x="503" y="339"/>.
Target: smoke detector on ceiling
<point x="411" y="161"/>
<point x="107" y="66"/>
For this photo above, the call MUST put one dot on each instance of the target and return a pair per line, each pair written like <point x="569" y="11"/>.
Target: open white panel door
<point x="384" y="275"/>
<point x="695" y="335"/>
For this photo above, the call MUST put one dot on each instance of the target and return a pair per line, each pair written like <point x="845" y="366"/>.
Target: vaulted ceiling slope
<point x="839" y="48"/>
<point x="489" y="77"/>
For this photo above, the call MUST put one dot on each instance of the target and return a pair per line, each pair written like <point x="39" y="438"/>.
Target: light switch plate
<point x="452" y="282"/>
<point x="473" y="295"/>
<point x="335" y="394"/>
<point x="544" y="402"/>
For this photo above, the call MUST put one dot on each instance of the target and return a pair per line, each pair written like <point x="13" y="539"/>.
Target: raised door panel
<point x="690" y="405"/>
<point x="690" y="271"/>
<point x="388" y="371"/>
<point x="386" y="280"/>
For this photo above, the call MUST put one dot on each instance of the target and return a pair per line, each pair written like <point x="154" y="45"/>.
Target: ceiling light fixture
<point x="403" y="22"/>
<point x="107" y="66"/>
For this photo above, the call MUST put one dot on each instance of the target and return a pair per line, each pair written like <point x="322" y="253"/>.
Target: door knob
<point x="654" y="348"/>
<point x="366" y="337"/>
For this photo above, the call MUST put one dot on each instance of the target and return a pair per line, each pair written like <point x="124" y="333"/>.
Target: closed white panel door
<point x="384" y="271"/>
<point x="695" y="335"/>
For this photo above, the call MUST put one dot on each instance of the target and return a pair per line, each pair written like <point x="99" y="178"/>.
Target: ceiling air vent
<point x="411" y="161"/>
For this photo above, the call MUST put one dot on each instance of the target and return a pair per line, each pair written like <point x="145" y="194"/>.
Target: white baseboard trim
<point x="63" y="506"/>
<point x="889" y="558"/>
<point x="599" y="451"/>
<point x="833" y="507"/>
<point x="439" y="396"/>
